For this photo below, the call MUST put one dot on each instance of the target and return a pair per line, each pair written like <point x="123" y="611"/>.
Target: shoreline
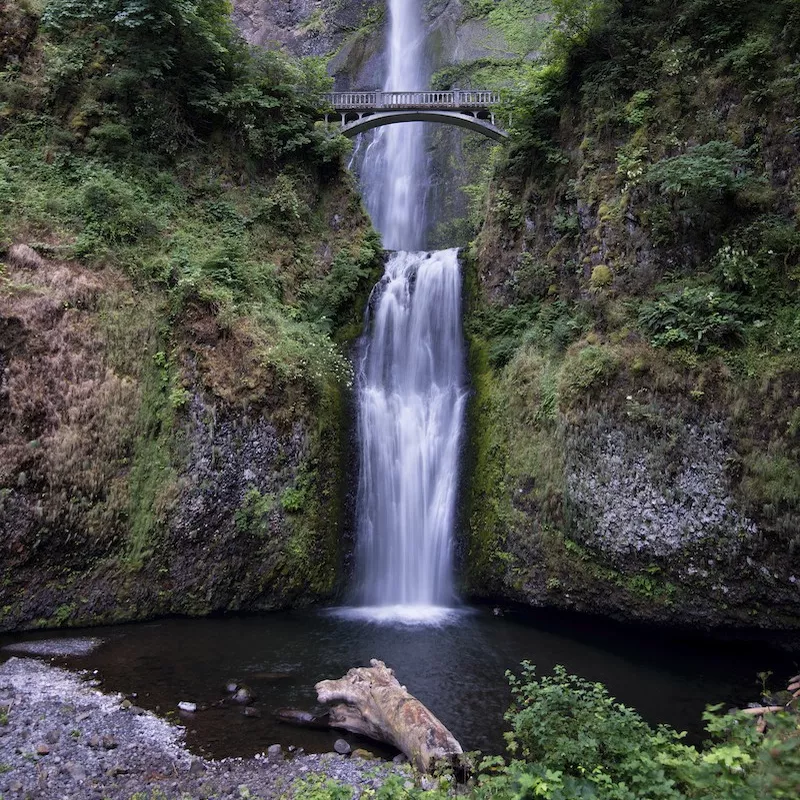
<point x="61" y="737"/>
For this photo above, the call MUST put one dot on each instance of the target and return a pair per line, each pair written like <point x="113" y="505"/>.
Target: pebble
<point x="75" y="771"/>
<point x="244" y="695"/>
<point x="341" y="747"/>
<point x="249" y="711"/>
<point x="42" y="749"/>
<point x="188" y="707"/>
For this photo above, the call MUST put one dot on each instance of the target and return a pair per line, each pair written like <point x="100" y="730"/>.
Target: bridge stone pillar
<point x="457" y="97"/>
<point x="378" y="99"/>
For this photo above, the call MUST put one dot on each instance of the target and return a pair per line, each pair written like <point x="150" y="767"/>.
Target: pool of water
<point x="456" y="667"/>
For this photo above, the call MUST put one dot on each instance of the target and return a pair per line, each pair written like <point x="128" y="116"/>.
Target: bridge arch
<point x="368" y="121"/>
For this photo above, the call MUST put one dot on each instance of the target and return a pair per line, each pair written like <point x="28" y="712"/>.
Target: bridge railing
<point x="454" y="98"/>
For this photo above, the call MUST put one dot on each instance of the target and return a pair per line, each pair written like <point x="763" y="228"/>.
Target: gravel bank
<point x="64" y="740"/>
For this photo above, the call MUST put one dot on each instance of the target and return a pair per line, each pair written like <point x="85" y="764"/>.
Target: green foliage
<point x="160" y="72"/>
<point x="504" y="326"/>
<point x="293" y="500"/>
<point x="252" y="516"/>
<point x="518" y="21"/>
<point x="573" y="727"/>
<point x="112" y="212"/>
<point x="317" y="787"/>
<point x="328" y="302"/>
<point x="570" y="740"/>
<point x="532" y="278"/>
<point x="705" y="172"/>
<point x="591" y="367"/>
<point x="535" y="111"/>
<point x="696" y="317"/>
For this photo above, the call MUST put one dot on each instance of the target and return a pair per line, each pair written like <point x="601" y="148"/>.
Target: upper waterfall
<point x="393" y="174"/>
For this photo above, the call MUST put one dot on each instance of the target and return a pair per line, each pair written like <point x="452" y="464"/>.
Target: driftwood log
<point x="371" y="702"/>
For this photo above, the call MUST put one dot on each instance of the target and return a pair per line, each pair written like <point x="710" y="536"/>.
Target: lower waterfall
<point x="411" y="400"/>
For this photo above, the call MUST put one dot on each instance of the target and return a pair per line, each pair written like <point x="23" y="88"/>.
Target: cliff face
<point x="174" y="324"/>
<point x="153" y="464"/>
<point x="634" y="307"/>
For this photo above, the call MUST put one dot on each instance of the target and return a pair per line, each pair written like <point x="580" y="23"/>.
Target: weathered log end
<point x="371" y="702"/>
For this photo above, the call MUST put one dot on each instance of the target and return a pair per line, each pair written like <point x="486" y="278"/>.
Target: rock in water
<point x="244" y="695"/>
<point x="371" y="702"/>
<point x="294" y="716"/>
<point x="189" y="707"/>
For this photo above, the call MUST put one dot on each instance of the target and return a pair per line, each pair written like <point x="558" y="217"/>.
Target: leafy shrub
<point x="114" y="211"/>
<point x="504" y="326"/>
<point x="750" y="61"/>
<point x="705" y="172"/>
<point x="169" y="71"/>
<point x="696" y="317"/>
<point x="329" y="301"/>
<point x="293" y="500"/>
<point x="110" y="138"/>
<point x="573" y="727"/>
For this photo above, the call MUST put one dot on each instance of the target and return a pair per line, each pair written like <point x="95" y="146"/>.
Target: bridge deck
<point x="380" y="100"/>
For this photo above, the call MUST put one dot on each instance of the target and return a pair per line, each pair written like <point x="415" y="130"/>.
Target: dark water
<point x="457" y="669"/>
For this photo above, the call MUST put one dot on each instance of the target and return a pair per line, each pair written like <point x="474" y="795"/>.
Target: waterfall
<point x="410" y="375"/>
<point x="393" y="173"/>
<point x="411" y="399"/>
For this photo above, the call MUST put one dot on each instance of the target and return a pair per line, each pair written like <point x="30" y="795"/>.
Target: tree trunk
<point x="373" y="703"/>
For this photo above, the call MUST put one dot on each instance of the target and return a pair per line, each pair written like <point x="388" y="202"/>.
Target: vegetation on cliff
<point x="634" y="322"/>
<point x="170" y="416"/>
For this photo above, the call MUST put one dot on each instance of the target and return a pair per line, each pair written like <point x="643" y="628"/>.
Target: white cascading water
<point x="411" y="382"/>
<point x="393" y="173"/>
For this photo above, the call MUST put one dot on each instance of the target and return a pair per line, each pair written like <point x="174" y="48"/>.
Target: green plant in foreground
<point x="572" y="741"/>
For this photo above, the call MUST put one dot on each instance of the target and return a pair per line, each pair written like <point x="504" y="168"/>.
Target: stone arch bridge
<point x="357" y="112"/>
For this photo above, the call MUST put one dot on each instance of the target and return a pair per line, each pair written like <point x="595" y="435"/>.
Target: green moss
<point x="487" y="509"/>
<point x="585" y="370"/>
<point x="252" y="516"/>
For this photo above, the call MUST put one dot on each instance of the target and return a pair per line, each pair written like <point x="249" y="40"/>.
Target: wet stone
<point x="197" y="767"/>
<point x="341" y="747"/>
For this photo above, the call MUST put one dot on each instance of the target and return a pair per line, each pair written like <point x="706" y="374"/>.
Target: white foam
<point x="400" y="614"/>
